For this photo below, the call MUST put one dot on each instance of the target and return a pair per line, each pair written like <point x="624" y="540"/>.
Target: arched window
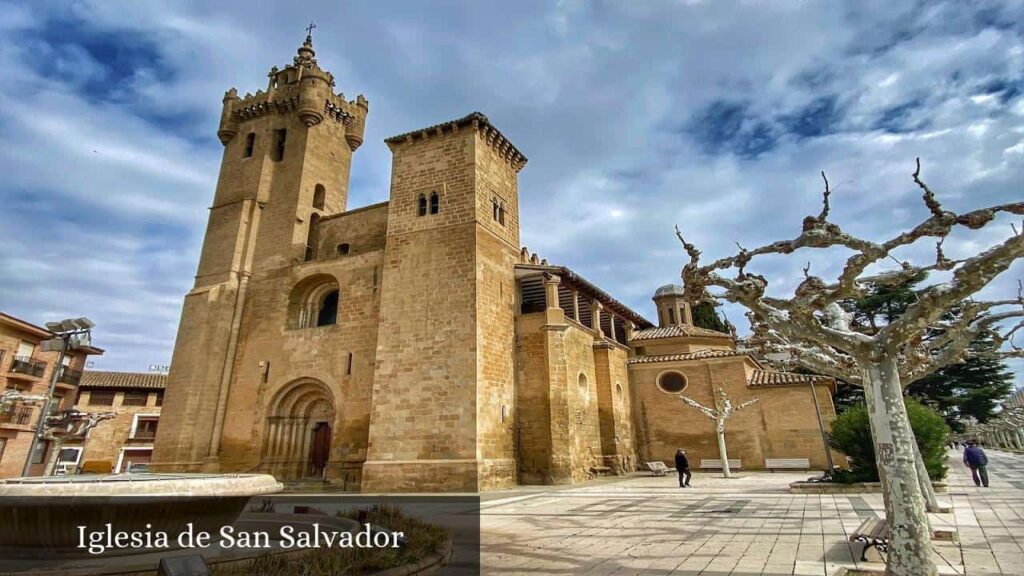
<point x="422" y="206"/>
<point x="501" y="214"/>
<point x="435" y="203"/>
<point x="314" y="302"/>
<point x="494" y="208"/>
<point x="319" y="194"/>
<point x="671" y="382"/>
<point x="313" y="237"/>
<point x="327" y="314"/>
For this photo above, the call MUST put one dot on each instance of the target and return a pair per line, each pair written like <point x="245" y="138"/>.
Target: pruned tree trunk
<point x="723" y="453"/>
<point x="910" y="548"/>
<point x="927" y="490"/>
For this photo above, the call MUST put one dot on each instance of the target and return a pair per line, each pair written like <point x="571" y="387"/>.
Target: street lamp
<point x="72" y="334"/>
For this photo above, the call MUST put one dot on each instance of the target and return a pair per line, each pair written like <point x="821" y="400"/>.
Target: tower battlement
<point x="301" y="88"/>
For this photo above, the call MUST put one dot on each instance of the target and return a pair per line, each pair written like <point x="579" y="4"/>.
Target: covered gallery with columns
<point x="573" y="408"/>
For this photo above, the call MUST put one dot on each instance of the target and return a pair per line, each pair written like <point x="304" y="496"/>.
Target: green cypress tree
<point x="971" y="389"/>
<point x="705" y="316"/>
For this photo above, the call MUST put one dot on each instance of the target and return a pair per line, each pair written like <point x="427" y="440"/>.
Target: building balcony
<point x="69" y="376"/>
<point x="17" y="415"/>
<point x="27" y="366"/>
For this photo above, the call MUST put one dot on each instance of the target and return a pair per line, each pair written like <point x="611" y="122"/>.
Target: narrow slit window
<point x="422" y="202"/>
<point x="280" y="137"/>
<point x="494" y="207"/>
<point x="501" y="214"/>
<point x="250" y="144"/>
<point x="435" y="203"/>
<point x="319" y="196"/>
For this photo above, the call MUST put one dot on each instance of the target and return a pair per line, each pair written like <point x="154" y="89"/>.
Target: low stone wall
<point x="855" y="488"/>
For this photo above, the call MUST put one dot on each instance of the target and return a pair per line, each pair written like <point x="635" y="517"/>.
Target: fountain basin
<point x="42" y="516"/>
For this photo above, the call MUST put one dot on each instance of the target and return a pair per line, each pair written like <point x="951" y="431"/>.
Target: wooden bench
<point x="717" y="464"/>
<point x="600" y="470"/>
<point x="874" y="533"/>
<point x="787" y="463"/>
<point x="658" y="468"/>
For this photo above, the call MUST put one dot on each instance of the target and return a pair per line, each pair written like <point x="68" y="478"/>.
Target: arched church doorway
<point x="298" y="433"/>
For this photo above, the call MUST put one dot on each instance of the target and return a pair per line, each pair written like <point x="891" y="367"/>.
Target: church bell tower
<point x="287" y="158"/>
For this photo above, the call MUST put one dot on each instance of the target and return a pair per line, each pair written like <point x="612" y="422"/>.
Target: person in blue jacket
<point x="977" y="461"/>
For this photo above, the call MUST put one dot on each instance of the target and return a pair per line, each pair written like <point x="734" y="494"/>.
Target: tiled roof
<point x="698" y="355"/>
<point x="766" y="378"/>
<point x="102" y="379"/>
<point x="676" y="331"/>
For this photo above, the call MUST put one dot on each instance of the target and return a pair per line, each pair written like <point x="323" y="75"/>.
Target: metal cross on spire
<point x="309" y="29"/>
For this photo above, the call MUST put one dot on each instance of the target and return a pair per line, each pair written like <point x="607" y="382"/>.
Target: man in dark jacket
<point x="683" y="468"/>
<point x="977" y="461"/>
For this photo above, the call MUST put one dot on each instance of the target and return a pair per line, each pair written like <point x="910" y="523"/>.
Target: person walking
<point x="683" y="468"/>
<point x="977" y="461"/>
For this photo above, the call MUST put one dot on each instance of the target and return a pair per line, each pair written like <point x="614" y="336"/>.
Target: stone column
<point x="553" y="314"/>
<point x="551" y="283"/>
<point x="630" y="327"/>
<point x="611" y="326"/>
<point x="595" y="317"/>
<point x="576" y="305"/>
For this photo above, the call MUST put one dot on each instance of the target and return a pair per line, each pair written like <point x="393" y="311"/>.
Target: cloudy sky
<point x="636" y="116"/>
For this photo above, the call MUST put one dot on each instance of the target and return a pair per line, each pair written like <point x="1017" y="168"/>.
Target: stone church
<point x="414" y="345"/>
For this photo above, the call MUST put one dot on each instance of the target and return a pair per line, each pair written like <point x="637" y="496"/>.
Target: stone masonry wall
<point x="423" y="421"/>
<point x="780" y="425"/>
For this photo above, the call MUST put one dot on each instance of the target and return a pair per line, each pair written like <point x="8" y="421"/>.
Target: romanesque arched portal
<point x="297" y="442"/>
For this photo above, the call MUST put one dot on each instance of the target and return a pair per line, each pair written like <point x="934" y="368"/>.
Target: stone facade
<point x="782" y="425"/>
<point x="27" y="368"/>
<point x="411" y="345"/>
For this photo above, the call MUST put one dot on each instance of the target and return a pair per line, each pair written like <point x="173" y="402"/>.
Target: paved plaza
<point x="749" y="525"/>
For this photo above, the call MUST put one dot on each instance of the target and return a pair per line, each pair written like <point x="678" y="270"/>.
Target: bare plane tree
<point x="722" y="411"/>
<point x="900" y="351"/>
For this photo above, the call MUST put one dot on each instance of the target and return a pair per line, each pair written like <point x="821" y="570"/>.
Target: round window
<point x="672" y="382"/>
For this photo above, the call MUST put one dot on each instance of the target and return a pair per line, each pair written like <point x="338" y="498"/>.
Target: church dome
<point x="670" y="290"/>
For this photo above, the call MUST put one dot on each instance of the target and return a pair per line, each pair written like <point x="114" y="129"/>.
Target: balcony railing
<point x="28" y="365"/>
<point x="11" y="414"/>
<point x="144" y="435"/>
<point x="69" y="376"/>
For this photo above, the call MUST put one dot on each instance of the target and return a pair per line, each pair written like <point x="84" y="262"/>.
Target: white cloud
<point x="597" y="95"/>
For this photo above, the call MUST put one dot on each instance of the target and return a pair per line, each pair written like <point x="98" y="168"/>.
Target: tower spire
<point x="306" y="53"/>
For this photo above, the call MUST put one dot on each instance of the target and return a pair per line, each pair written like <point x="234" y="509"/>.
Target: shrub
<point x="851" y="435"/>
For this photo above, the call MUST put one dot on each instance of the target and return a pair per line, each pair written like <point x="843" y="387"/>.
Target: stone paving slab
<point x="745" y="526"/>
